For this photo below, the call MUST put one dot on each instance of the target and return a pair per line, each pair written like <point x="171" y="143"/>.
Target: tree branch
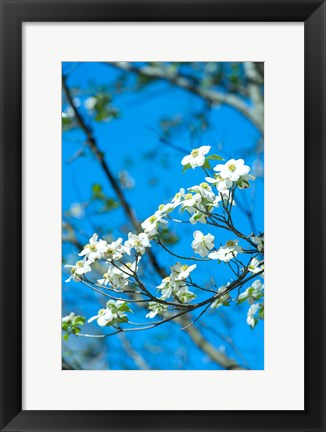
<point x="192" y="331"/>
<point x="179" y="80"/>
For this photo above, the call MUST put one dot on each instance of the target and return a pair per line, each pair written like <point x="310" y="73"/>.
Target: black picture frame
<point x="16" y="12"/>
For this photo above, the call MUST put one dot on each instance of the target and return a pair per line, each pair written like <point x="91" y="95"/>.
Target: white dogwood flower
<point x="198" y="217"/>
<point x="138" y="242"/>
<point x="115" y="277"/>
<point x="184" y="295"/>
<point x="81" y="267"/>
<point x="151" y="224"/>
<point x="251" y="320"/>
<point x="191" y="201"/>
<point x="181" y="271"/>
<point x="254" y="266"/>
<point x="196" y="157"/>
<point x="165" y="287"/>
<point x="202" y="244"/>
<point x="69" y="317"/>
<point x="95" y="249"/>
<point x="178" y="197"/>
<point x="227" y="252"/>
<point x="113" y="313"/>
<point x="155" y="309"/>
<point x="165" y="209"/>
<point x="115" y="250"/>
<point x="220" y="183"/>
<point x="232" y="170"/>
<point x="253" y="293"/>
<point x="259" y="241"/>
<point x="204" y="190"/>
<point x="222" y="299"/>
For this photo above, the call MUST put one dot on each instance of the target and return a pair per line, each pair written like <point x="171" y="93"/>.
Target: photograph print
<point x="162" y="215"/>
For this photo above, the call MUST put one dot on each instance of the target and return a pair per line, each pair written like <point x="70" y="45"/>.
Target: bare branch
<point x="177" y="79"/>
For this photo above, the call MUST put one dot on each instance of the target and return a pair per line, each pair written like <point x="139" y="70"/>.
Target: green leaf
<point x="214" y="157"/>
<point x="66" y="336"/>
<point x="186" y="167"/>
<point x="207" y="164"/>
<point x="79" y="320"/>
<point x="124" y="308"/>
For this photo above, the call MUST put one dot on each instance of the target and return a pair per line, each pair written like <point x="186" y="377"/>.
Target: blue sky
<point x="132" y="143"/>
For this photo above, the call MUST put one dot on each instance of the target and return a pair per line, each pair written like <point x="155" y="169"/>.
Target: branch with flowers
<point x="210" y="204"/>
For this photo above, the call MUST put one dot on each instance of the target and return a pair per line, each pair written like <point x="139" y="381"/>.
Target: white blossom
<point x="166" y="288"/>
<point x="204" y="190"/>
<point x="221" y="184"/>
<point x="151" y="224"/>
<point x="259" y="241"/>
<point x="251" y="320"/>
<point x="95" y="249"/>
<point x="155" y="309"/>
<point x="184" y="295"/>
<point x="138" y="242"/>
<point x="80" y="268"/>
<point x="223" y="299"/>
<point x="254" y="266"/>
<point x="115" y="250"/>
<point x="227" y="252"/>
<point x="253" y="293"/>
<point x="178" y="197"/>
<point x="165" y="209"/>
<point x="69" y="317"/>
<point x="114" y="312"/>
<point x="202" y="244"/>
<point x="232" y="170"/>
<point x="193" y="205"/>
<point x="181" y="271"/>
<point x="196" y="157"/>
<point x="115" y="277"/>
<point x="198" y="216"/>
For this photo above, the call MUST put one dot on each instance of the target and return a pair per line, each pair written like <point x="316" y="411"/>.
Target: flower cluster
<point x="175" y="285"/>
<point x="71" y="324"/>
<point x="210" y="203"/>
<point x="114" y="313"/>
<point x="259" y="241"/>
<point x="251" y="295"/>
<point x="155" y="309"/>
<point x="202" y="244"/>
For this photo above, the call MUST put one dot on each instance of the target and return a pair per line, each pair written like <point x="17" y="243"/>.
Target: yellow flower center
<point x="195" y="153"/>
<point x="204" y="185"/>
<point x="92" y="248"/>
<point x="152" y="219"/>
<point x="232" y="167"/>
<point x="230" y="243"/>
